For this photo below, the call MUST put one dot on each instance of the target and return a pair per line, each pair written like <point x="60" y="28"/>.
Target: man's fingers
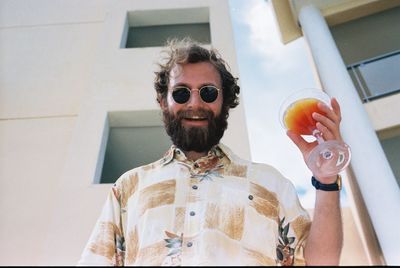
<point x="326" y="133"/>
<point x="329" y="112"/>
<point x="336" y="108"/>
<point x="326" y="123"/>
<point x="298" y="140"/>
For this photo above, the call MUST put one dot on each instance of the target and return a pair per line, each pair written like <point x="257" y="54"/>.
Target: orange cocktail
<point x="328" y="157"/>
<point x="298" y="116"/>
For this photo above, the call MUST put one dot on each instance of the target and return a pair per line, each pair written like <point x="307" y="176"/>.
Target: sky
<point x="269" y="71"/>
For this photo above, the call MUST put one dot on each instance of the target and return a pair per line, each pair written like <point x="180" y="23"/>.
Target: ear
<point x="162" y="101"/>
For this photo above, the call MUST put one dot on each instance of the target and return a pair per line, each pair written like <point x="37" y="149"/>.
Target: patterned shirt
<point x="218" y="210"/>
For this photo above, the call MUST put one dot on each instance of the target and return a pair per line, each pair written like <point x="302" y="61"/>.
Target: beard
<point x="198" y="139"/>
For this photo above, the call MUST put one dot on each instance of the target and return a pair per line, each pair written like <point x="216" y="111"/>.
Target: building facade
<point x="76" y="93"/>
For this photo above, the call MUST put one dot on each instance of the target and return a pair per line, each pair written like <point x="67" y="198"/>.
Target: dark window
<point x="133" y="139"/>
<point x="152" y="28"/>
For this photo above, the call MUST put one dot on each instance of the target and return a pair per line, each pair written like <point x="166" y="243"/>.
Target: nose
<point x="195" y="99"/>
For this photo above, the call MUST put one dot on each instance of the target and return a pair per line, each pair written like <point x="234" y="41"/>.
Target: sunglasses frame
<point x="190" y="93"/>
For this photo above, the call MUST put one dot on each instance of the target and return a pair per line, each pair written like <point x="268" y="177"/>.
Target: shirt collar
<point x="174" y="152"/>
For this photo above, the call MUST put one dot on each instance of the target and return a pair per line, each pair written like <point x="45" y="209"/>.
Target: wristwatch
<point x="336" y="186"/>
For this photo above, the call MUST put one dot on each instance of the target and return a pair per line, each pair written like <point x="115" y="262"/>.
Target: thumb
<point x="298" y="140"/>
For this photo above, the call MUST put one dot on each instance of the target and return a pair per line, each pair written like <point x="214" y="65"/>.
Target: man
<point x="201" y="204"/>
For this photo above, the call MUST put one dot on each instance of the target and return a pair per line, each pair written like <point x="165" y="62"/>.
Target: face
<point x="194" y="76"/>
<point x="195" y="125"/>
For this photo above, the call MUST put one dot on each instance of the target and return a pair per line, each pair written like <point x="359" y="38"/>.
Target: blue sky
<point x="268" y="72"/>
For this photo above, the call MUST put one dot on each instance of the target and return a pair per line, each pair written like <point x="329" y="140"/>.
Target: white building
<point x="355" y="49"/>
<point x="75" y="77"/>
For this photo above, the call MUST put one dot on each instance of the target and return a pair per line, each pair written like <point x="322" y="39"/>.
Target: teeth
<point x="196" y="118"/>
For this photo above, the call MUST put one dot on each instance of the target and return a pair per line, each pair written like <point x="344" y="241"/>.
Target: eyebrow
<point x="187" y="85"/>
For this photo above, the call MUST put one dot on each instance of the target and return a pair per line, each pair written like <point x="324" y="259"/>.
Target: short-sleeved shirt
<point x="218" y="210"/>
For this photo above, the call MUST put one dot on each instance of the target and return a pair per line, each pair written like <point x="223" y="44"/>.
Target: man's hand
<point x="328" y="126"/>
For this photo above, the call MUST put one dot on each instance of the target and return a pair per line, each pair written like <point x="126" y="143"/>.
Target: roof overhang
<point x="335" y="12"/>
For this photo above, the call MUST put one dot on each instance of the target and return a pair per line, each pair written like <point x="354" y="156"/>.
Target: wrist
<point x="327" y="180"/>
<point x="335" y="186"/>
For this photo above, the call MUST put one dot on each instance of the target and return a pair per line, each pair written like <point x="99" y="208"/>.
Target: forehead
<point x="194" y="74"/>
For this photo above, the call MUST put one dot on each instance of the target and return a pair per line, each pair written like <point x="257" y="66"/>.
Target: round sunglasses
<point x="208" y="94"/>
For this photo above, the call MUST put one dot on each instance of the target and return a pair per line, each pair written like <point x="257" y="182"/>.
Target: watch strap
<point x="336" y="186"/>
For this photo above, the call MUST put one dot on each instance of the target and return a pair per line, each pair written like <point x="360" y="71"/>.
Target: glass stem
<point x="317" y="134"/>
<point x="326" y="153"/>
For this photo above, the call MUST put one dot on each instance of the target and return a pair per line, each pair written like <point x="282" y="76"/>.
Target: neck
<point x="193" y="156"/>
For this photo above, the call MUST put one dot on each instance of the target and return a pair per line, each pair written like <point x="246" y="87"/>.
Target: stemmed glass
<point x="329" y="157"/>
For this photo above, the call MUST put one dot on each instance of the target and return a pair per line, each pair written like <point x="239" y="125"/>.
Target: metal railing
<point x="376" y="77"/>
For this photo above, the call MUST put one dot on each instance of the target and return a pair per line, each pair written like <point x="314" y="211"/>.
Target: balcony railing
<point x="377" y="77"/>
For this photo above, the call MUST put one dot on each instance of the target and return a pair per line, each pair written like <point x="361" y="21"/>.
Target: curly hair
<point x="188" y="51"/>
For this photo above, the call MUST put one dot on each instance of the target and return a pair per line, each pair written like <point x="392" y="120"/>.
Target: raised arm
<point x="325" y="239"/>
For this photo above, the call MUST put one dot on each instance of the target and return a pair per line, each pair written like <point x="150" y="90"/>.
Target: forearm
<point x="325" y="240"/>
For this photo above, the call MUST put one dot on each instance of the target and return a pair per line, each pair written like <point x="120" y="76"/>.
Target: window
<point x="152" y="28"/>
<point x="132" y="139"/>
<point x="376" y="77"/>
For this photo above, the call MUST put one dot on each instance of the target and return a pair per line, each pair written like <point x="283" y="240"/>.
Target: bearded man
<point x="200" y="204"/>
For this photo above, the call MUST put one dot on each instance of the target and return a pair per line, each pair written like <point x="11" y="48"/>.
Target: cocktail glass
<point x="328" y="158"/>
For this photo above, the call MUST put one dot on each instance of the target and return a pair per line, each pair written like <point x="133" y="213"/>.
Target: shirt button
<point x="251" y="197"/>
<point x="195" y="187"/>
<point x="192" y="213"/>
<point x="189" y="244"/>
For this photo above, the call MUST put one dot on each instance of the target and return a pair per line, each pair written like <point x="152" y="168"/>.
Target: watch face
<point x="339" y="181"/>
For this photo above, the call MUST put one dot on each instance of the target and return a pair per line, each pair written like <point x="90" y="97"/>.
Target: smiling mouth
<point x="196" y="118"/>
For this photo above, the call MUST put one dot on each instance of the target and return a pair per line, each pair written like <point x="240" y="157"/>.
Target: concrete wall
<point x="368" y="37"/>
<point x="32" y="155"/>
<point x="61" y="72"/>
<point x="46" y="51"/>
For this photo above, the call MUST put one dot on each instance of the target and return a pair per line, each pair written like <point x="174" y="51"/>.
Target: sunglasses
<point x="208" y="94"/>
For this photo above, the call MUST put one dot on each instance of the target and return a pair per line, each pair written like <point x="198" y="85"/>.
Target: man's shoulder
<point x="232" y="156"/>
<point x="266" y="171"/>
<point x="255" y="170"/>
<point x="256" y="166"/>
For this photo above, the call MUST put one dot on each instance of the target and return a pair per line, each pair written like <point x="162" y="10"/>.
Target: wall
<point x="32" y="153"/>
<point x="368" y="37"/>
<point x="46" y="58"/>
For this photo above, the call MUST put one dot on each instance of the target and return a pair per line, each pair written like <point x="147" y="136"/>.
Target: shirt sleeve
<point x="294" y="226"/>
<point x="106" y="244"/>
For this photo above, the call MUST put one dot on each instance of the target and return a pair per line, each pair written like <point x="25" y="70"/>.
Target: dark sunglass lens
<point x="181" y="95"/>
<point x="209" y="93"/>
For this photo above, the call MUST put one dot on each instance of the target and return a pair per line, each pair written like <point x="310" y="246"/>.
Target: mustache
<point x="198" y="113"/>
